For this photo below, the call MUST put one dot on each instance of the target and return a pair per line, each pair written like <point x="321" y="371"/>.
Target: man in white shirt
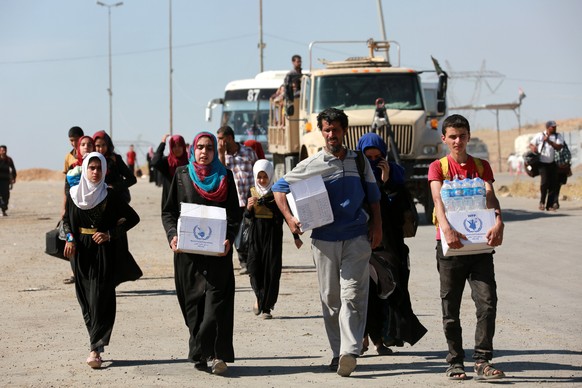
<point x="546" y="144"/>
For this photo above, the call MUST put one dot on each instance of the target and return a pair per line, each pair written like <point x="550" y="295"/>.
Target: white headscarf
<point x="267" y="167"/>
<point x="86" y="195"/>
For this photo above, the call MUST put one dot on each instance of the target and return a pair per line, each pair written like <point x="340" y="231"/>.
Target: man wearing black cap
<point x="546" y="144"/>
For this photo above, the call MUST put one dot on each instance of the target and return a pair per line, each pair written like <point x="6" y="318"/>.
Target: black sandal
<point x="487" y="371"/>
<point x="456" y="371"/>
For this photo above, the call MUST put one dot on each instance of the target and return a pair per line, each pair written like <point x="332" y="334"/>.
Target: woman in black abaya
<point x="94" y="218"/>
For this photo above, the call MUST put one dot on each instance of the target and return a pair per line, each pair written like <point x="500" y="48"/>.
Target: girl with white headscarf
<point x="94" y="218"/>
<point x="265" y="250"/>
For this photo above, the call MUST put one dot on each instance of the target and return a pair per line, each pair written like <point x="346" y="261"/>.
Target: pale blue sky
<point x="54" y="64"/>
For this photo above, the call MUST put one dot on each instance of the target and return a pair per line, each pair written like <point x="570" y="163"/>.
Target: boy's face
<point x="456" y="139"/>
<point x="74" y="141"/>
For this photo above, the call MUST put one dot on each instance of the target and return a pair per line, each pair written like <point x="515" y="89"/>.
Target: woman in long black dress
<point x="166" y="165"/>
<point x="205" y="284"/>
<point x="94" y="218"/>
<point x="391" y="322"/>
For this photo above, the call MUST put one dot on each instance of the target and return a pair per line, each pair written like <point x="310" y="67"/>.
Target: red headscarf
<point x="79" y="161"/>
<point x="108" y="141"/>
<point x="255" y="145"/>
<point x="173" y="160"/>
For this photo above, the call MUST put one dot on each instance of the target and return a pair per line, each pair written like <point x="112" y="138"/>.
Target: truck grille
<point x="402" y="136"/>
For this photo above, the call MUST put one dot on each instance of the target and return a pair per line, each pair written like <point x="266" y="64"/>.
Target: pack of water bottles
<point x="463" y="195"/>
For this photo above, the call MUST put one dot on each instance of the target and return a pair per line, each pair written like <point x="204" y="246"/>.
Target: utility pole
<point x="110" y="90"/>
<point x="171" y="76"/>
<point x="261" y="44"/>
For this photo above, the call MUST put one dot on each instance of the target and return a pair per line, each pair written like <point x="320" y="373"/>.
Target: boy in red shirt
<point x="477" y="269"/>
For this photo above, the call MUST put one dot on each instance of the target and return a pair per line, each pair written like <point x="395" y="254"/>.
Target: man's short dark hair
<point x="332" y="114"/>
<point x="294" y="57"/>
<point x="76" y="132"/>
<point x="3" y="146"/>
<point x="226" y="131"/>
<point x="455" y="121"/>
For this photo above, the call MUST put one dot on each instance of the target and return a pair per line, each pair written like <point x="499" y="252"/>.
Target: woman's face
<point x="86" y="146"/>
<point x="178" y="150"/>
<point x="101" y="146"/>
<point x="204" y="151"/>
<point x="373" y="153"/>
<point x="94" y="171"/>
<point x="262" y="179"/>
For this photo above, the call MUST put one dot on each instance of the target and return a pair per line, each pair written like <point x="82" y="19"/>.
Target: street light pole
<point x="110" y="90"/>
<point x="171" y="74"/>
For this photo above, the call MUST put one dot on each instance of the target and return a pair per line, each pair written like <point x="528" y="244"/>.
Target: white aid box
<point x="201" y="229"/>
<point x="309" y="203"/>
<point x="474" y="224"/>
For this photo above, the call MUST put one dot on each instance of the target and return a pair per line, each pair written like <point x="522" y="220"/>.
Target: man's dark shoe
<point x="334" y="364"/>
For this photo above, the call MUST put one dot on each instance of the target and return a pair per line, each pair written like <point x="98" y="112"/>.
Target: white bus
<point x="245" y="106"/>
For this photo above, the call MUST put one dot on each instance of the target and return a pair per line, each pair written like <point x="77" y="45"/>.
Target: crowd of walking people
<point x="361" y="258"/>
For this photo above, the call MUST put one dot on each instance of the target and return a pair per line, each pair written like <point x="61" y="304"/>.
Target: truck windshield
<point x="247" y="113"/>
<point x="360" y="91"/>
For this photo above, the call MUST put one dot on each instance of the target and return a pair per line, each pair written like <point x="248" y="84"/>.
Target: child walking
<point x="265" y="240"/>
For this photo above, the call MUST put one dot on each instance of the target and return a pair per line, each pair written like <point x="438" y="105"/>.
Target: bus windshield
<point x="360" y="91"/>
<point x="247" y="113"/>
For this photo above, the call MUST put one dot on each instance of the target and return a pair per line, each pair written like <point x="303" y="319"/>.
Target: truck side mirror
<point x="442" y="94"/>
<point x="208" y="114"/>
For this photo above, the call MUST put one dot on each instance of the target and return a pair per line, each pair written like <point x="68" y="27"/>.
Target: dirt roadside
<point x="43" y="342"/>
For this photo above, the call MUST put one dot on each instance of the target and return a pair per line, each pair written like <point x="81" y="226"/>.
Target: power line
<point x="70" y="59"/>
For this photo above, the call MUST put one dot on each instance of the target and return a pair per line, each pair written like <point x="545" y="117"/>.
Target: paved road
<point x="43" y="341"/>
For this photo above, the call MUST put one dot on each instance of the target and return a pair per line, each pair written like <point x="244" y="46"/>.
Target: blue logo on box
<point x="473" y="224"/>
<point x="200" y="234"/>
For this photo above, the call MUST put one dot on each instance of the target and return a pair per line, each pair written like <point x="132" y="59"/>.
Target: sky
<point x="54" y="70"/>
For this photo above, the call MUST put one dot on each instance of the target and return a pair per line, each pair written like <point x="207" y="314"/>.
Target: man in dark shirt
<point x="7" y="178"/>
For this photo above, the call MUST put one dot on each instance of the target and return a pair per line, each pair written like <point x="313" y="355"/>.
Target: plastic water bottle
<point x="446" y="195"/>
<point x="457" y="195"/>
<point x="479" y="196"/>
<point x="467" y="186"/>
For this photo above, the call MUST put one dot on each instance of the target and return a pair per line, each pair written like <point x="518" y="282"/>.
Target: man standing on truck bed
<point x="240" y="160"/>
<point x="293" y="78"/>
<point x="341" y="250"/>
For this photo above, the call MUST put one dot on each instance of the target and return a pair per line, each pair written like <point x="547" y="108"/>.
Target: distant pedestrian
<point x="7" y="179"/>
<point x="151" y="169"/>
<point x="166" y="166"/>
<point x="257" y="147"/>
<point x="131" y="159"/>
<point x="546" y="144"/>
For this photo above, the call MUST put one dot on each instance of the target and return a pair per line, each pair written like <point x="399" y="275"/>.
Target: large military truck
<point x="376" y="96"/>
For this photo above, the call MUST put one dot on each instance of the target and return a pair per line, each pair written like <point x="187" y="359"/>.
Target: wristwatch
<point x="70" y="238"/>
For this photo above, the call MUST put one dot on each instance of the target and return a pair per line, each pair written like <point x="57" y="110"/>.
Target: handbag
<point x="531" y="160"/>
<point x="241" y="241"/>
<point x="54" y="245"/>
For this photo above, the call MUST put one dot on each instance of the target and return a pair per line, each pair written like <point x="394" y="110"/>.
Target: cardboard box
<point x="309" y="203"/>
<point x="201" y="229"/>
<point x="473" y="224"/>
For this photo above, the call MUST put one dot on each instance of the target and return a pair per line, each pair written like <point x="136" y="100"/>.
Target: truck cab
<point x="412" y="113"/>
